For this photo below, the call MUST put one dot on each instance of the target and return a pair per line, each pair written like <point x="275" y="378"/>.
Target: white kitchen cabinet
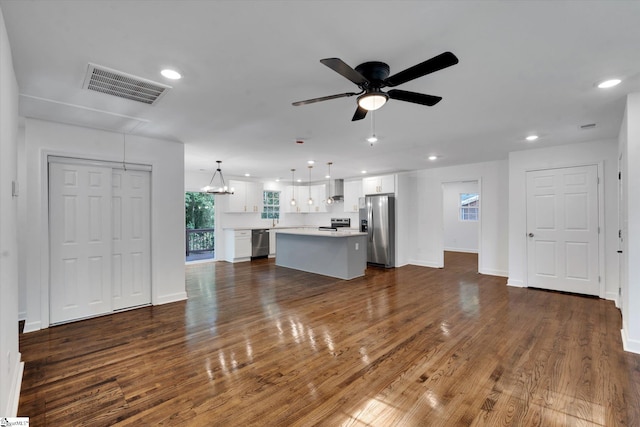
<point x="237" y="245"/>
<point x="272" y="243"/>
<point x="385" y="184"/>
<point x="247" y="196"/>
<point x="319" y="196"/>
<point x="294" y="192"/>
<point x="352" y="192"/>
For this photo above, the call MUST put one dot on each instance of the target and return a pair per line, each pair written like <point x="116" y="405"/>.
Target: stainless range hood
<point x="338" y="190"/>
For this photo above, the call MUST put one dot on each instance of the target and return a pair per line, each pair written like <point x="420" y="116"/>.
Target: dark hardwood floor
<point x="262" y="345"/>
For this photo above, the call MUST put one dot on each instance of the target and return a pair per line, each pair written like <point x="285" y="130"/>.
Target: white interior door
<point x="131" y="252"/>
<point x="562" y="229"/>
<point x="80" y="243"/>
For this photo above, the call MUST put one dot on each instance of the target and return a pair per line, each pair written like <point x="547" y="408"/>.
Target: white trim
<point x="464" y="250"/>
<point x="632" y="346"/>
<point x="99" y="163"/>
<point x="420" y="263"/>
<point x="491" y="272"/>
<point x="14" y="390"/>
<point x="32" y="327"/>
<point x="165" y="299"/>
<point x="516" y="283"/>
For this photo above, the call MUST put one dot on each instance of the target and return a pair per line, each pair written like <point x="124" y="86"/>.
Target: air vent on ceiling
<point x="123" y="85"/>
<point x="588" y="126"/>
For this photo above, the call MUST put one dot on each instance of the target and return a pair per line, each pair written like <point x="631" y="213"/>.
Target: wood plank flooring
<point x="260" y="345"/>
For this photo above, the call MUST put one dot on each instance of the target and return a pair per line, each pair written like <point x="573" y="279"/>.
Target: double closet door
<point x="99" y="237"/>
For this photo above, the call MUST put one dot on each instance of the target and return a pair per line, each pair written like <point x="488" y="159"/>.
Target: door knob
<point x="530" y="234"/>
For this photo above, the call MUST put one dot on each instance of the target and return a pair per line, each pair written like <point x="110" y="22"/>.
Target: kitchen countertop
<point x="323" y="233"/>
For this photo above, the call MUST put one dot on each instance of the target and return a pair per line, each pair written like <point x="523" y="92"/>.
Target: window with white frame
<point x="271" y="205"/>
<point x="469" y="206"/>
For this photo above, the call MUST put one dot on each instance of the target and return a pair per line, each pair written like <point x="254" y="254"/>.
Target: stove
<point x="337" y="223"/>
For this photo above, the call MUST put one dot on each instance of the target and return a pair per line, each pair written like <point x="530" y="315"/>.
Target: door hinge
<point x="598" y="230"/>
<point x="598" y="180"/>
<point x="619" y="291"/>
<point x="599" y="279"/>
<point x="619" y="175"/>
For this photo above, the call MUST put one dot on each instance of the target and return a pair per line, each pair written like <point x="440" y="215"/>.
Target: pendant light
<point x="310" y="201"/>
<point x="293" y="187"/>
<point x="220" y="189"/>
<point x="329" y="199"/>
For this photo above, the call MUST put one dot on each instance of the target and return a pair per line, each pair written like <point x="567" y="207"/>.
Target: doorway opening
<point x="461" y="220"/>
<point x="200" y="226"/>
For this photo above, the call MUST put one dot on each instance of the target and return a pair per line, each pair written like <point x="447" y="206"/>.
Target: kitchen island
<point x="340" y="254"/>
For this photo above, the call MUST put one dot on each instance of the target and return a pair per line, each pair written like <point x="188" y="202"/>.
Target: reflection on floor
<point x="200" y="256"/>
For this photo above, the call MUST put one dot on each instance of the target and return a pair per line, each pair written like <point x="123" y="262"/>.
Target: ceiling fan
<point x="371" y="77"/>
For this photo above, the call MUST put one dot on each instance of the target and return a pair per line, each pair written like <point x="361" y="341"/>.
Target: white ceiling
<point x="525" y="67"/>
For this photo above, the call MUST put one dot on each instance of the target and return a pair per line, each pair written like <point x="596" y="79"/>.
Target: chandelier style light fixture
<point x="293" y="188"/>
<point x="220" y="189"/>
<point x="329" y="199"/>
<point x="310" y="200"/>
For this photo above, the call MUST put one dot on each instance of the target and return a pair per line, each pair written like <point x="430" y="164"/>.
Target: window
<point x="271" y="204"/>
<point x="469" y="207"/>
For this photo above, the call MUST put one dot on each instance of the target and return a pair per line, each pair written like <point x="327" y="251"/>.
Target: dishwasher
<point x="259" y="243"/>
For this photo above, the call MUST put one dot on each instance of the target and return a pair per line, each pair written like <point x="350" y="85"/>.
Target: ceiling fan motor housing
<point x="376" y="72"/>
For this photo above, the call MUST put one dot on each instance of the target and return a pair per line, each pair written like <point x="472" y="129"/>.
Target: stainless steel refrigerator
<point x="377" y="218"/>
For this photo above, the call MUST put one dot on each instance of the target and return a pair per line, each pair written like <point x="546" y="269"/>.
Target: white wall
<point x="10" y="364"/>
<point x="588" y="153"/>
<point x="459" y="236"/>
<point x="629" y="146"/>
<point x="167" y="205"/>
<point x="426" y="244"/>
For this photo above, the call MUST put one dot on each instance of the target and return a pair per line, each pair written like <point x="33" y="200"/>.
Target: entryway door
<point x="99" y="235"/>
<point x="562" y="229"/>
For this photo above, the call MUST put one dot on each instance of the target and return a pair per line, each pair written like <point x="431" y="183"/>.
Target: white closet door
<point x="80" y="244"/>
<point x="131" y="256"/>
<point x="562" y="229"/>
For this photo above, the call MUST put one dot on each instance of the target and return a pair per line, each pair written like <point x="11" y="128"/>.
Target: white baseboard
<point x="491" y="272"/>
<point x="14" y="391"/>
<point x="32" y="326"/>
<point x="424" y="263"/>
<point x="166" y="299"/>
<point x="613" y="296"/>
<point x="22" y="315"/>
<point x="466" y="251"/>
<point x="515" y="283"/>
<point x="632" y="346"/>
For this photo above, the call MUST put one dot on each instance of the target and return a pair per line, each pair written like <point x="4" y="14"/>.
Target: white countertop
<point x="322" y="233"/>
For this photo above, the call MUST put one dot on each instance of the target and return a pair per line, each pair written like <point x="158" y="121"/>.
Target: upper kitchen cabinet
<point x="352" y="192"/>
<point x="247" y="197"/>
<point x="319" y="196"/>
<point x="385" y="184"/>
<point x="293" y="192"/>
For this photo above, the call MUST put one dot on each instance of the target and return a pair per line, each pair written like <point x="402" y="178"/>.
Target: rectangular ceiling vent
<point x="123" y="85"/>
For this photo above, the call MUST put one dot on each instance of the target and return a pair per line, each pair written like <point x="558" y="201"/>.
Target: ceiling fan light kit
<point x="372" y="76"/>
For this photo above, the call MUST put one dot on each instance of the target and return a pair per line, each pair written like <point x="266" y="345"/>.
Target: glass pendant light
<point x="329" y="199"/>
<point x="293" y="187"/>
<point x="310" y="201"/>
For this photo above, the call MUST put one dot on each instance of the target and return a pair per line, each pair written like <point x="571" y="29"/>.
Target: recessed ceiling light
<point x="277" y="179"/>
<point x="310" y="162"/>
<point x="363" y="171"/>
<point x="531" y="138"/>
<point x="247" y="174"/>
<point x="327" y="176"/>
<point x="171" y="74"/>
<point x="299" y="180"/>
<point x="609" y="83"/>
<point x="433" y="157"/>
<point x="372" y="139"/>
